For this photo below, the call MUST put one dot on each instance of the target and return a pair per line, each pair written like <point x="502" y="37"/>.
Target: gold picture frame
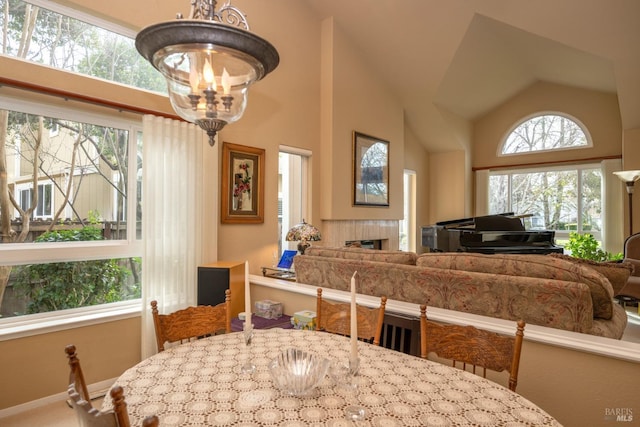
<point x="242" y="184"/>
<point x="370" y="170"/>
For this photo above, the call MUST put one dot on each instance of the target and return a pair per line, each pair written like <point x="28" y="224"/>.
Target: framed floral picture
<point x="242" y="191"/>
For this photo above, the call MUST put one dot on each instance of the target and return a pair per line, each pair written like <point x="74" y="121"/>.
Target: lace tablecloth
<point x="201" y="384"/>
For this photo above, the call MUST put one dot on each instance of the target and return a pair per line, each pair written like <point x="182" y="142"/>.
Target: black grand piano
<point x="490" y="234"/>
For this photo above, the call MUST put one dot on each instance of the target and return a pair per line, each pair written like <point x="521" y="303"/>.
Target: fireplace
<point x="385" y="233"/>
<point x="367" y="244"/>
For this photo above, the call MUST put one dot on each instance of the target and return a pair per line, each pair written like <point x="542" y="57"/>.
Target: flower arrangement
<point x="243" y="182"/>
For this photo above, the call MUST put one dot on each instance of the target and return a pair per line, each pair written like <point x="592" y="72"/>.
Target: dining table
<point x="202" y="383"/>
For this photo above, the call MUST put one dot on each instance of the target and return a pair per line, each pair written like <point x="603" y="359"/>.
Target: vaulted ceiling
<point x="462" y="58"/>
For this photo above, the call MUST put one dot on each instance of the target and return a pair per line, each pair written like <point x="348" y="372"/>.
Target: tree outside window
<point x="565" y="199"/>
<point x="543" y="133"/>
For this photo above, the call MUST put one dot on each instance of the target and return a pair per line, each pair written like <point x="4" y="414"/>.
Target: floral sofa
<point x="540" y="289"/>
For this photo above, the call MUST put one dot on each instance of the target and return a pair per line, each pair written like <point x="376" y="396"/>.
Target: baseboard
<point x="96" y="390"/>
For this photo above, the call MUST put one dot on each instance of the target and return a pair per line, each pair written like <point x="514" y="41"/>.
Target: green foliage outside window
<point x="585" y="246"/>
<point x="64" y="285"/>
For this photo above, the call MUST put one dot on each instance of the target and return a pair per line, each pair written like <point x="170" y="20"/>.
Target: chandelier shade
<point x="208" y="64"/>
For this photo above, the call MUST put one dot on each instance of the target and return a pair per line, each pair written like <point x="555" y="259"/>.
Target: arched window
<point x="545" y="132"/>
<point x="559" y="197"/>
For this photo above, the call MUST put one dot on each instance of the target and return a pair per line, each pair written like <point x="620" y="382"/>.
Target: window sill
<point x="43" y="323"/>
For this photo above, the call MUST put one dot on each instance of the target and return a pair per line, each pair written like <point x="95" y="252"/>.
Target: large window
<point x="70" y="211"/>
<point x="74" y="241"/>
<point x="562" y="199"/>
<point x="63" y="40"/>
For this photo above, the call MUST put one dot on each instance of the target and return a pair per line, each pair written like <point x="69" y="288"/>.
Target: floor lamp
<point x="629" y="178"/>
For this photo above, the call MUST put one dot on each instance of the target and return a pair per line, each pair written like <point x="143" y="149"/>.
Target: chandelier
<point x="209" y="61"/>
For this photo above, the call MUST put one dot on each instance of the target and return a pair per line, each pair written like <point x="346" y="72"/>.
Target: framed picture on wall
<point x="370" y="170"/>
<point x="242" y="184"/>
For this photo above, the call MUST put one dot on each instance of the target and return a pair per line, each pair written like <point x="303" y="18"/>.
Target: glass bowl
<point x="297" y="372"/>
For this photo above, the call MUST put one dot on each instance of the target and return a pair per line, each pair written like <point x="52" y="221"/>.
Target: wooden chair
<point x="471" y="346"/>
<point x="336" y="318"/>
<point x="79" y="399"/>
<point x="191" y="322"/>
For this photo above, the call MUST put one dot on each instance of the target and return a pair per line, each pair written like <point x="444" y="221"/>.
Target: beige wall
<point x="598" y="111"/>
<point x="36" y="367"/>
<point x="447" y="186"/>
<point x="282" y="109"/>
<point x="416" y="158"/>
<point x="359" y="101"/>
<point x="631" y="161"/>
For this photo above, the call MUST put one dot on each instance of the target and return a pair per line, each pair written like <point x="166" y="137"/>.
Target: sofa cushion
<point x="616" y="272"/>
<point x="362" y="254"/>
<point x="539" y="266"/>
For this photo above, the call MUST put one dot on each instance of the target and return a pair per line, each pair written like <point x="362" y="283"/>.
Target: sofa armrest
<point x="636" y="266"/>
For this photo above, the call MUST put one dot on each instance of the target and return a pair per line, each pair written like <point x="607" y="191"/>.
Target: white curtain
<point x="612" y="202"/>
<point x="172" y="218"/>
<point x="482" y="192"/>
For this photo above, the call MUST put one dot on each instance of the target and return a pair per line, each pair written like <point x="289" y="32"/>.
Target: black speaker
<point x="215" y="278"/>
<point x="212" y="282"/>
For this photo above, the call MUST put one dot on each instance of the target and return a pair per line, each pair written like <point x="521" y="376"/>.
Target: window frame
<point x="408" y="222"/>
<point x="29" y="253"/>
<point x="559" y="234"/>
<point x="305" y="188"/>
<point x="26" y="187"/>
<point x="500" y="148"/>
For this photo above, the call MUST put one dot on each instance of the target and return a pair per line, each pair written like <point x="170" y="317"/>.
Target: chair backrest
<point x="335" y="317"/>
<point x="88" y="416"/>
<point x="472" y="346"/>
<point x="632" y="249"/>
<point x="191" y="322"/>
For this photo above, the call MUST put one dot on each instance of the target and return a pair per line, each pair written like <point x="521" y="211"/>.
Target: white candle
<point x="247" y="297"/>
<point x="354" y="319"/>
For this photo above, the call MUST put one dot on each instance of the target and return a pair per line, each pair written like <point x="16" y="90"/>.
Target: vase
<point x="245" y="201"/>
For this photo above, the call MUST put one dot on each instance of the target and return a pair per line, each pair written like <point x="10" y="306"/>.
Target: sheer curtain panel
<point x="173" y="215"/>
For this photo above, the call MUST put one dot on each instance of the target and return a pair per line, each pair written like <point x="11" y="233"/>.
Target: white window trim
<point x="563" y="234"/>
<point x="25" y="253"/>
<point x="306" y="156"/>
<point x="612" y="233"/>
<point x="43" y="323"/>
<point x="83" y="16"/>
<point x="28" y="186"/>
<point x="504" y="138"/>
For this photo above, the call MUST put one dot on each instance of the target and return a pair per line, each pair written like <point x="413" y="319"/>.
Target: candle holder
<point x="247" y="334"/>
<point x="354" y="411"/>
